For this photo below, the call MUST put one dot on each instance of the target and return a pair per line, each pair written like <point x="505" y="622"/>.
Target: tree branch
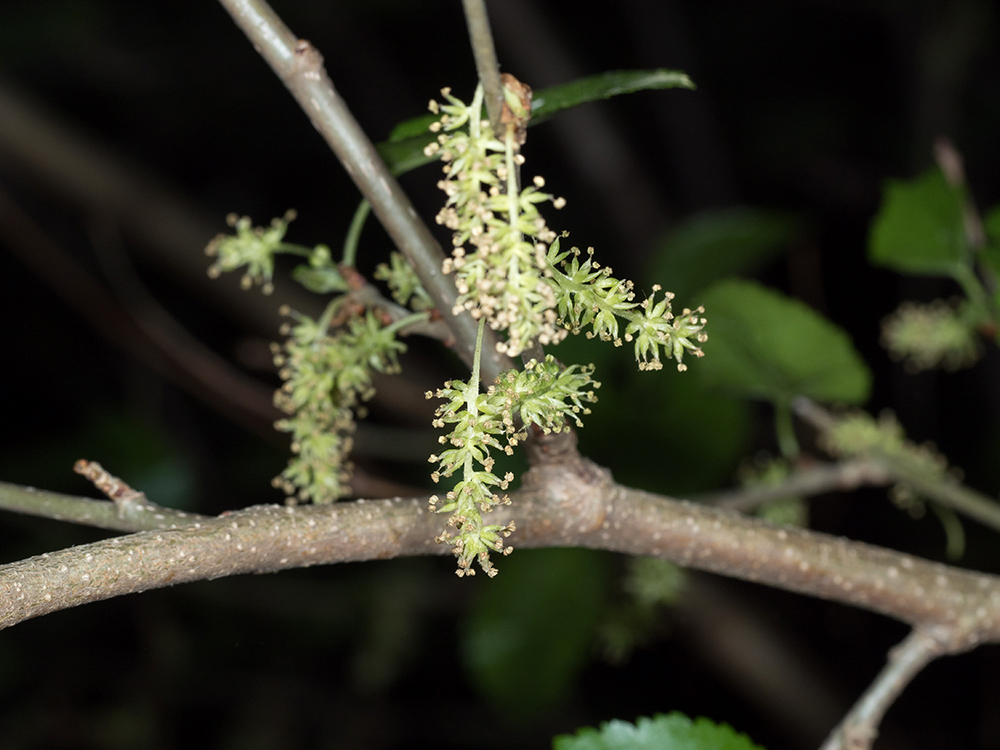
<point x="859" y="728"/>
<point x="485" y="55"/>
<point x="300" y="67"/>
<point x="83" y="510"/>
<point x="944" y="489"/>
<point x="812" y="480"/>
<point x="558" y="506"/>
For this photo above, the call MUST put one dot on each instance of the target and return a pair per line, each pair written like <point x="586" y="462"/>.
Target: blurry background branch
<point x="809" y="479"/>
<point x="171" y="232"/>
<point x="945" y="488"/>
<point x="145" y="331"/>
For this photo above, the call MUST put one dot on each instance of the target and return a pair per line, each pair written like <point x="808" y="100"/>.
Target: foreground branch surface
<point x="559" y="507"/>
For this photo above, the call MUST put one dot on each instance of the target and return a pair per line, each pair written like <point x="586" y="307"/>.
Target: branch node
<point x="126" y="499"/>
<point x="859" y="728"/>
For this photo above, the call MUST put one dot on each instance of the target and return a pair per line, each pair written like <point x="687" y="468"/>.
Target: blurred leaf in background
<point x="719" y="243"/>
<point x="531" y="633"/>
<point x="697" y="436"/>
<point x="920" y="228"/>
<point x="764" y="345"/>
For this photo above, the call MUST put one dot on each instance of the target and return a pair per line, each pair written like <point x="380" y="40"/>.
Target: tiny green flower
<point x="253" y="247"/>
<point x="403" y="283"/>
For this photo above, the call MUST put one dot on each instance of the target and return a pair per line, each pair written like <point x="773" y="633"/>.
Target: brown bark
<point x="560" y="506"/>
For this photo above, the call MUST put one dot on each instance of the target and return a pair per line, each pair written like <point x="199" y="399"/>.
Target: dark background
<point x="805" y="107"/>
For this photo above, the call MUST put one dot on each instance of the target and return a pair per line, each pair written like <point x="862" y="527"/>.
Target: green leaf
<point x="762" y="344"/>
<point x="320" y="280"/>
<point x="413" y="127"/>
<point x="991" y="223"/>
<point x="673" y="731"/>
<point x="719" y="243"/>
<point x="991" y="253"/>
<point x="547" y="102"/>
<point x="531" y="633"/>
<point x="991" y="256"/>
<point x="716" y="433"/>
<point x="406" y="155"/>
<point x="920" y="227"/>
<point x="404" y="150"/>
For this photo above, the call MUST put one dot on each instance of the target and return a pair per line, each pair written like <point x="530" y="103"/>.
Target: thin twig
<point x="948" y="492"/>
<point x="485" y="55"/>
<point x="812" y="480"/>
<point x="101" y="514"/>
<point x="366" y="294"/>
<point x="300" y="67"/>
<point x="858" y="730"/>
<point x="945" y="490"/>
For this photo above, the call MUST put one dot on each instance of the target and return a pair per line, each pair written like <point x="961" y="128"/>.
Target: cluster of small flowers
<point x="477" y="424"/>
<point x="544" y="394"/>
<point x="860" y="434"/>
<point x="588" y="295"/>
<point x="253" y="247"/>
<point x="327" y="375"/>
<point x="502" y="275"/>
<point x="937" y="334"/>
<point x="403" y="283"/>
<point x="514" y="274"/>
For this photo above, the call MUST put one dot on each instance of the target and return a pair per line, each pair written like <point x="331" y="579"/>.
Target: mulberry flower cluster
<point x="326" y="364"/>
<point x="253" y="247"/>
<point x="403" y="283"/>
<point x="499" y="236"/>
<point x="544" y="394"/>
<point x="937" y="334"/>
<point x="860" y="434"/>
<point x="507" y="263"/>
<point x="328" y="375"/>
<point x="588" y="295"/>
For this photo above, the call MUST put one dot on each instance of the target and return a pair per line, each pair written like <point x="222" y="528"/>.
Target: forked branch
<point x="300" y="67"/>
<point x="859" y="728"/>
